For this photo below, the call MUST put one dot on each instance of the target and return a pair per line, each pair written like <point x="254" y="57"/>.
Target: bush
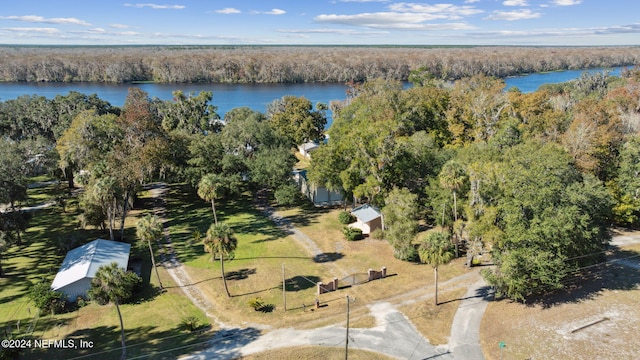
<point x="405" y="252"/>
<point x="258" y="304"/>
<point x="352" y="233"/>
<point x="47" y="300"/>
<point x="377" y="234"/>
<point x="189" y="323"/>
<point x="345" y="217"/>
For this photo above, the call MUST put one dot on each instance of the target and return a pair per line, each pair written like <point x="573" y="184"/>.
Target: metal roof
<point x="366" y="213"/>
<point x="84" y="261"/>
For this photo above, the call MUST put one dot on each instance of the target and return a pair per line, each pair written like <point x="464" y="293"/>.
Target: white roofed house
<point x="368" y="218"/>
<point x="307" y="148"/>
<point x="81" y="264"/>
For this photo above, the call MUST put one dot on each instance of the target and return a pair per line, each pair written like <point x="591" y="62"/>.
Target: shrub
<point x="345" y="217"/>
<point x="46" y="299"/>
<point x="377" y="234"/>
<point x="257" y="303"/>
<point x="352" y="233"/>
<point x="405" y="252"/>
<point x="189" y="323"/>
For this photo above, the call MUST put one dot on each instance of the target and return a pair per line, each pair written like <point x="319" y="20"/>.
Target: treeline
<point x="289" y="64"/>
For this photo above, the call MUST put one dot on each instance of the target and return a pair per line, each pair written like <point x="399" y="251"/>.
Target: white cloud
<point x="515" y="3"/>
<point x="228" y="11"/>
<point x="272" y="12"/>
<point x="471" y="1"/>
<point x="448" y="11"/>
<point x="513" y="15"/>
<point x="119" y="26"/>
<point x="333" y="31"/>
<point x="156" y="6"/>
<point x="40" y="19"/>
<point x="363" y="1"/>
<point x="566" y="2"/>
<point x="563" y="32"/>
<point x="33" y="30"/>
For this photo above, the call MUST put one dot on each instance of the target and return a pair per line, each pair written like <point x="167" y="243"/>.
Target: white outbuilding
<point x="81" y="264"/>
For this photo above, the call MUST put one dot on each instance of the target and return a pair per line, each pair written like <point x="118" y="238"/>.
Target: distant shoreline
<point x="293" y="63"/>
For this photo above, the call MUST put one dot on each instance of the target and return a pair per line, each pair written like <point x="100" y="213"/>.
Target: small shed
<point x="81" y="264"/>
<point x="368" y="218"/>
<point x="319" y="195"/>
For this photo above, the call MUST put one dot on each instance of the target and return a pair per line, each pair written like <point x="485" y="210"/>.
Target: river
<point x="254" y="96"/>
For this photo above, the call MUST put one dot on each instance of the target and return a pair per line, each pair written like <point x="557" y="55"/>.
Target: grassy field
<point x="150" y="328"/>
<point x="263" y="249"/>
<point x="596" y="318"/>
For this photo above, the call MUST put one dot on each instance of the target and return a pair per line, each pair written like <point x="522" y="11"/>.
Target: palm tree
<point x="148" y="229"/>
<point x="452" y="177"/>
<point x="113" y="284"/>
<point x="209" y="188"/>
<point x="220" y="241"/>
<point x="436" y="249"/>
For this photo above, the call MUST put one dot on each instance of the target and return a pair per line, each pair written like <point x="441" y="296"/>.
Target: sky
<point x="321" y="22"/>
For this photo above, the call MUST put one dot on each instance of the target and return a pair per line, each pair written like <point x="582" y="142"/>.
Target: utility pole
<point x="346" y="349"/>
<point x="284" y="289"/>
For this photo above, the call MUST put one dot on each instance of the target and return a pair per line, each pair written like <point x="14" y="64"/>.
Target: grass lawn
<point x="597" y="318"/>
<point x="151" y="322"/>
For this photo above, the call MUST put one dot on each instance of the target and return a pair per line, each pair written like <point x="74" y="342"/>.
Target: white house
<point x="81" y="264"/>
<point x="307" y="148"/>
<point x="368" y="218"/>
<point x="319" y="195"/>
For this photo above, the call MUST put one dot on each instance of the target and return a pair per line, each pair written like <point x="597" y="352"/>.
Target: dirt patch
<point x="596" y="318"/>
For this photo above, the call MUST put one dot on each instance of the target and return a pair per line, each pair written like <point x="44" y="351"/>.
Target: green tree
<point x="436" y="249"/>
<point x="453" y="177"/>
<point x="215" y="186"/>
<point x="400" y="215"/>
<point x="221" y="241"/>
<point x="115" y="285"/>
<point x="294" y="118"/>
<point x="551" y="220"/>
<point x="272" y="166"/>
<point x="149" y="228"/>
<point x="190" y="113"/>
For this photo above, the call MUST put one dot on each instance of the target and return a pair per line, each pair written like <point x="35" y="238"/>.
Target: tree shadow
<point x="300" y="282"/>
<point x="240" y="274"/>
<point x="620" y="271"/>
<point x="103" y="342"/>
<point x="327" y="257"/>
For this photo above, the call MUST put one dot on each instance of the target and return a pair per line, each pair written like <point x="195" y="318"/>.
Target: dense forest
<point x="535" y="179"/>
<point x="289" y="64"/>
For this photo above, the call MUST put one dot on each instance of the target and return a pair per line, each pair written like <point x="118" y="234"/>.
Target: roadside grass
<point x="316" y="352"/>
<point x="151" y="321"/>
<point x="434" y="322"/>
<point x="605" y="301"/>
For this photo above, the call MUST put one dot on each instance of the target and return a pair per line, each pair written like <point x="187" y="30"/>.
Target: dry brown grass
<point x="316" y="352"/>
<point x="550" y="327"/>
<point x="434" y="322"/>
